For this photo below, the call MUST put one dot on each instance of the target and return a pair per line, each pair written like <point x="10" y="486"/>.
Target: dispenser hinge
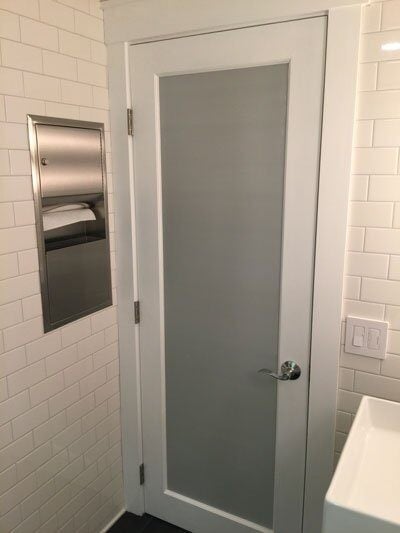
<point x="136" y="308"/>
<point x="141" y="474"/>
<point x="129" y="117"/>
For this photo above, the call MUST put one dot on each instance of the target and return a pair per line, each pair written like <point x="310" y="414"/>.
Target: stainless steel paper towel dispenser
<point x="69" y="182"/>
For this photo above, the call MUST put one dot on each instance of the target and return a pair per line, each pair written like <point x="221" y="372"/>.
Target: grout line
<point x="44" y="74"/>
<point x="74" y="32"/>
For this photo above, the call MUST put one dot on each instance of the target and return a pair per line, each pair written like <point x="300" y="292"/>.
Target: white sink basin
<point x="364" y="495"/>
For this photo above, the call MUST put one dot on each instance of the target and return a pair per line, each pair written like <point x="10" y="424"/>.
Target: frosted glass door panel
<point x="222" y="166"/>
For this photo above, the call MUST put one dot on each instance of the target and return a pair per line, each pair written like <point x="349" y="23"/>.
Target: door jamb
<point x="334" y="180"/>
<point x="335" y="170"/>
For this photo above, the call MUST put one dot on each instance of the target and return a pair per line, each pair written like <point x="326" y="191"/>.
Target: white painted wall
<point x="372" y="281"/>
<point x="60" y="438"/>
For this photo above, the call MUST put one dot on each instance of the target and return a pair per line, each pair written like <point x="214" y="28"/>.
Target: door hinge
<point x="136" y="308"/>
<point x="129" y="117"/>
<point x="141" y="474"/>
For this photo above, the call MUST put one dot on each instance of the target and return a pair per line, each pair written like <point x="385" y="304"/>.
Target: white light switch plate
<point x="366" y="337"/>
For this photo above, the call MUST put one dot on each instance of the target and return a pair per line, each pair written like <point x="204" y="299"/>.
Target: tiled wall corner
<point x="372" y="280"/>
<point x="60" y="445"/>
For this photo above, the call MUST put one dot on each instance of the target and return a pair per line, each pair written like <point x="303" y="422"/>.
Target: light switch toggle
<point x="373" y="339"/>
<point x="358" y="336"/>
<point x="366" y="337"/>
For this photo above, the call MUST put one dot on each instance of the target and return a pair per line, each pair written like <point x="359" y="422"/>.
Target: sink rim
<point x="366" y="421"/>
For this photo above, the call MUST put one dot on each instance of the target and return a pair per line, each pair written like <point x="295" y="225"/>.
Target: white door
<point x="226" y="154"/>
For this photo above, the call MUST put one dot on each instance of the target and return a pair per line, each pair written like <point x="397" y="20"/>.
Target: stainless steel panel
<point x="78" y="280"/>
<point x="69" y="160"/>
<point x="69" y="181"/>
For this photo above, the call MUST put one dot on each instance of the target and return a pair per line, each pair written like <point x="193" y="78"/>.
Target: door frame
<point x="131" y="21"/>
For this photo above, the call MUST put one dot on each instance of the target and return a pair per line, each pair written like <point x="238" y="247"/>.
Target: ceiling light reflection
<point x="390" y="47"/>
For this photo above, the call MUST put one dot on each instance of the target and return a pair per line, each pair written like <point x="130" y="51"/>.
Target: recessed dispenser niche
<point x="69" y="182"/>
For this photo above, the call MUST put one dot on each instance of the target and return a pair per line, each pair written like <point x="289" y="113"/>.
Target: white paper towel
<point x="63" y="215"/>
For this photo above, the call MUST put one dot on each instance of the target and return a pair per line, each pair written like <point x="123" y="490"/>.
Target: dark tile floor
<point x="130" y="523"/>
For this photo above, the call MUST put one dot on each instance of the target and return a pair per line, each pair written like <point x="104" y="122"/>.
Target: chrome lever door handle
<point x="290" y="371"/>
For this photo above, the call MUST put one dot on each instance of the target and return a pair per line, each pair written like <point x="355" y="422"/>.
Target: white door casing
<point x="132" y="21"/>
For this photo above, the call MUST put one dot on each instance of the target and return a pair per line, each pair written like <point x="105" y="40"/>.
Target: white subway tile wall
<point x="60" y="443"/>
<point x="372" y="282"/>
